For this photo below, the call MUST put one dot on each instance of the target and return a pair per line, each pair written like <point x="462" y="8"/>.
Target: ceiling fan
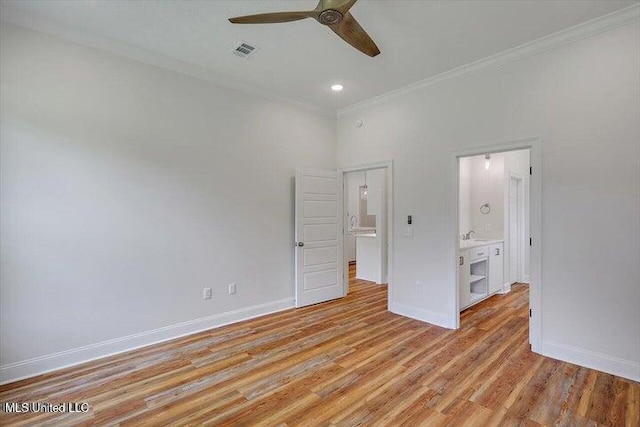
<point x="332" y="13"/>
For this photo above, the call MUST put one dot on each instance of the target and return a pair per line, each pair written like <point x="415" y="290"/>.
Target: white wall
<point x="486" y="186"/>
<point x="127" y="189"/>
<point x="582" y="100"/>
<point x="464" y="196"/>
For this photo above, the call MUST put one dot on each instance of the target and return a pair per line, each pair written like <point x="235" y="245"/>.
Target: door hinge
<point x="530" y="170"/>
<point x="530" y="313"/>
<point x="530" y="241"/>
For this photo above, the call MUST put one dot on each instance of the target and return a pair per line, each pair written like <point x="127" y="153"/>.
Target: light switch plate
<point x="408" y="231"/>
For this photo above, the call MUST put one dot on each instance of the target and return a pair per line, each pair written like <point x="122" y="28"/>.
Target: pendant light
<point x="487" y="161"/>
<point x="365" y="188"/>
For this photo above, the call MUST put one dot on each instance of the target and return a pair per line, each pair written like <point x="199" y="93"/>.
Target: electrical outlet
<point x="232" y="289"/>
<point x="487" y="226"/>
<point x="206" y="293"/>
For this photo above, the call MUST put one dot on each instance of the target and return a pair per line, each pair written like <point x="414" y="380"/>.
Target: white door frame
<point x="522" y="224"/>
<point x="345" y="261"/>
<point x="535" y="206"/>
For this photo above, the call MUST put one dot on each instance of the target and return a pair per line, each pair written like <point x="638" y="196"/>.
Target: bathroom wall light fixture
<point x="487" y="161"/>
<point x="337" y="87"/>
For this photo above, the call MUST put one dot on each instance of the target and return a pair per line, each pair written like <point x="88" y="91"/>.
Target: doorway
<point x="495" y="225"/>
<point x="491" y="223"/>
<point x="367" y="213"/>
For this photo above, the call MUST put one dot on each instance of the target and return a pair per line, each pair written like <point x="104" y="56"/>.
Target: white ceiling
<point x="300" y="60"/>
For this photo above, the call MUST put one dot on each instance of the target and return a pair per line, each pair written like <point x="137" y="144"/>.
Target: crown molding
<point x="594" y="26"/>
<point x="17" y="19"/>
<point x="586" y="29"/>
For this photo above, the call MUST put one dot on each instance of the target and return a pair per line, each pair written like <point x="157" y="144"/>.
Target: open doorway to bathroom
<point x="366" y="231"/>
<point x="493" y="225"/>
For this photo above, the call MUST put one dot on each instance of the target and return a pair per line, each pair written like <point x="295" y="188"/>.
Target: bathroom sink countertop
<point x="363" y="231"/>
<point x="468" y="244"/>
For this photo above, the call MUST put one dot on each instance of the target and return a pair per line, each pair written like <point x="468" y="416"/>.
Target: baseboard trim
<point x="600" y="362"/>
<point x="422" y="315"/>
<point x="76" y="356"/>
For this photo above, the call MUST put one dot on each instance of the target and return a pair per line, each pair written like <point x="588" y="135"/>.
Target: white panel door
<point x="319" y="241"/>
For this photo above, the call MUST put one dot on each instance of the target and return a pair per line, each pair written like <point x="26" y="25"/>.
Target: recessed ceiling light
<point x="337" y="88"/>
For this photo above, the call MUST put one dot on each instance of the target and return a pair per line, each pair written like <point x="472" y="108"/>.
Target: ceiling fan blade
<point x="355" y="35"/>
<point x="271" y="18"/>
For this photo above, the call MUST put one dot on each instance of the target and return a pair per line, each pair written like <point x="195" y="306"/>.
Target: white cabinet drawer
<point x="479" y="252"/>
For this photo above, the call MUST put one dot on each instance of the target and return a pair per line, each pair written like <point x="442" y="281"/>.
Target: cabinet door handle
<point x="497" y="251"/>
<point x="461" y="260"/>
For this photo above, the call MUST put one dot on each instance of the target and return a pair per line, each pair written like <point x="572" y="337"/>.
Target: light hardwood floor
<point x="347" y="362"/>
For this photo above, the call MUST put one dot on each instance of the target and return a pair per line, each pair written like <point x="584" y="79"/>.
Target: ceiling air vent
<point x="243" y="50"/>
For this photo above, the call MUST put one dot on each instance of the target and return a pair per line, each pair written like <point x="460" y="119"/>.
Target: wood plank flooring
<point x="344" y="363"/>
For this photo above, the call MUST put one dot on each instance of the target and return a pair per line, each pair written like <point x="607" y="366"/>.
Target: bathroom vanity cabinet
<point x="480" y="271"/>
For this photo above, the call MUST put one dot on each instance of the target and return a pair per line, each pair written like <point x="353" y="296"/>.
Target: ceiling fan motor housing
<point x="330" y="17"/>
